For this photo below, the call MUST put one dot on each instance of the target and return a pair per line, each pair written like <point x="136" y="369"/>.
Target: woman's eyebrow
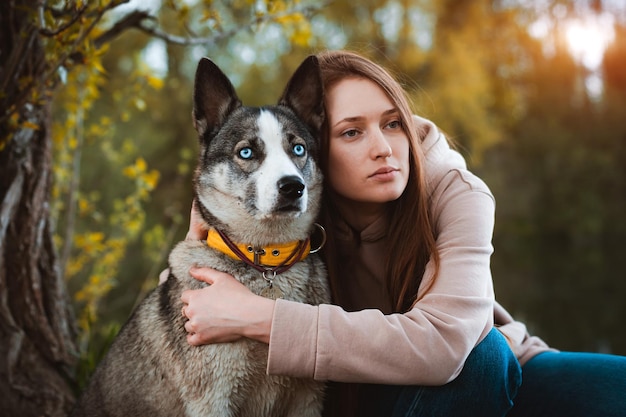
<point x="351" y="119"/>
<point x="390" y="111"/>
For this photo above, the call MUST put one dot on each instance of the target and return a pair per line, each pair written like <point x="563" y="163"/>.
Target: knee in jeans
<point x="507" y="372"/>
<point x="494" y="365"/>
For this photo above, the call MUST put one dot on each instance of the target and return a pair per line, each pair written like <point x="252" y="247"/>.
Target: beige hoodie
<point x="429" y="344"/>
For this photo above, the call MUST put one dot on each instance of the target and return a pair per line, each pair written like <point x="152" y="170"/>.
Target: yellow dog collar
<point x="270" y="255"/>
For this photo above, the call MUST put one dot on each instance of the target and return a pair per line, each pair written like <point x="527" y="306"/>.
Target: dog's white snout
<point x="291" y="187"/>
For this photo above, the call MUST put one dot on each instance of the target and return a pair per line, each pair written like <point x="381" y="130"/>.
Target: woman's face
<point x="369" y="152"/>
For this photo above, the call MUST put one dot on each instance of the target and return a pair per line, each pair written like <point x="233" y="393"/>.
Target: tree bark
<point x="37" y="328"/>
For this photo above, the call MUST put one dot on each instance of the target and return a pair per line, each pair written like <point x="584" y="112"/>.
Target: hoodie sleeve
<point x="523" y="345"/>
<point x="427" y="345"/>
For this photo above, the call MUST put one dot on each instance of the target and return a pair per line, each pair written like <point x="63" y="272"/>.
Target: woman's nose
<point x="380" y="147"/>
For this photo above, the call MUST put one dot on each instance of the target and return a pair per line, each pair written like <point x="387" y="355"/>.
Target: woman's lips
<point x="384" y="173"/>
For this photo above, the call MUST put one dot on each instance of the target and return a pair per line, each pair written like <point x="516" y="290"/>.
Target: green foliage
<point x="94" y="234"/>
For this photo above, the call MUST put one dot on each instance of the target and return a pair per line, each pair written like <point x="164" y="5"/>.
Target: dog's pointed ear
<point x="214" y="97"/>
<point x="304" y="94"/>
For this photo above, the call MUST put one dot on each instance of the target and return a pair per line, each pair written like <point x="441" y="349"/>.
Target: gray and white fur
<point x="258" y="181"/>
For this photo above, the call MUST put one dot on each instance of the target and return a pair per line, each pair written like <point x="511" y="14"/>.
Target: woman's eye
<point x="299" y="150"/>
<point x="394" y="124"/>
<point x="245" y="153"/>
<point x="350" y="133"/>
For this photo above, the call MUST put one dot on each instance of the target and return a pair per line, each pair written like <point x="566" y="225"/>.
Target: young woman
<point x="415" y="330"/>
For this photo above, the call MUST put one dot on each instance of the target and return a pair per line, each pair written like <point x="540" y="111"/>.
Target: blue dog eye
<point x="245" y="153"/>
<point x="299" y="150"/>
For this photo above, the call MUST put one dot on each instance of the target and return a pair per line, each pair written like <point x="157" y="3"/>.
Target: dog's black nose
<point x="291" y="187"/>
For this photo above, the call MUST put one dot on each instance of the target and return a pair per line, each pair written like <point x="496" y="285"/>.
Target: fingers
<point x="197" y="338"/>
<point x="201" y="274"/>
<point x="163" y="275"/>
<point x="193" y="339"/>
<point x="190" y="328"/>
<point x="207" y="275"/>
<point x="197" y="228"/>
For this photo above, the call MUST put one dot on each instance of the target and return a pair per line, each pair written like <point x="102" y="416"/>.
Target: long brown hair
<point x="411" y="234"/>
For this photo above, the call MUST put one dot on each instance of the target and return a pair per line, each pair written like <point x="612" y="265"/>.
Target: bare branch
<point x="132" y="20"/>
<point x="74" y="15"/>
<point x="74" y="18"/>
<point x="143" y="21"/>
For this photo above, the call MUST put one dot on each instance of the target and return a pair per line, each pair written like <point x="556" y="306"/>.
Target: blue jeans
<point x="485" y="387"/>
<point x="571" y="384"/>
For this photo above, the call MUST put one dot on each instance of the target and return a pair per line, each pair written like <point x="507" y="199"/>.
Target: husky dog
<point x="258" y="188"/>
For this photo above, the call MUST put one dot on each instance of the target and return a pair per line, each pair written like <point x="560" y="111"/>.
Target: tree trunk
<point x="37" y="331"/>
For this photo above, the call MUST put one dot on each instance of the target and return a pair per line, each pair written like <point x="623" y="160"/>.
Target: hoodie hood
<point x="439" y="157"/>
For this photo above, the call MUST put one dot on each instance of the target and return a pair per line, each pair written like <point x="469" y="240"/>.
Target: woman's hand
<point x="197" y="226"/>
<point x="225" y="311"/>
<point x="197" y="231"/>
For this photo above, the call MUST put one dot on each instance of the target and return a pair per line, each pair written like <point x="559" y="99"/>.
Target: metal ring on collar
<point x="323" y="242"/>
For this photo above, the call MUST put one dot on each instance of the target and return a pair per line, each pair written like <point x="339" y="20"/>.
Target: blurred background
<point x="532" y="91"/>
